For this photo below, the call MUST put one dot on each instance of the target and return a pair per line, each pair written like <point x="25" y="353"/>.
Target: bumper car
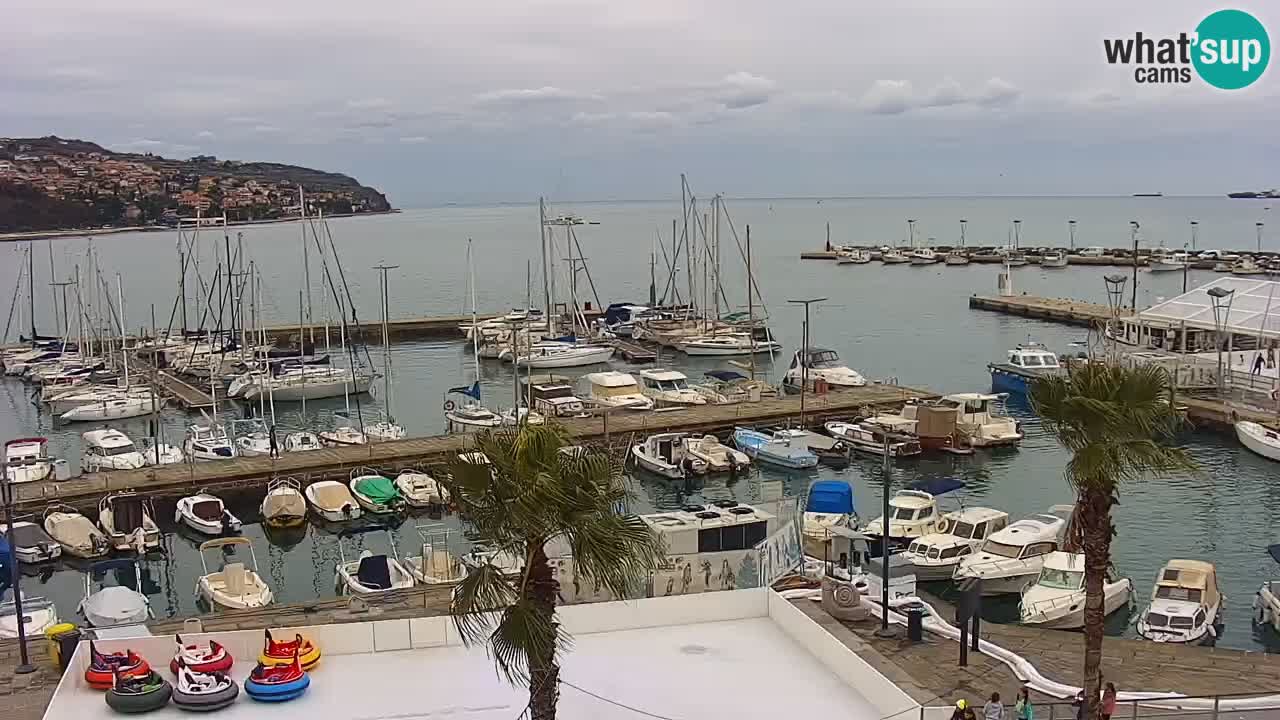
<point x="203" y="692"/>
<point x="203" y="659"/>
<point x="103" y="667"/>
<point x="286" y="652"/>
<point x="280" y="683"/>
<point x="139" y="693"/>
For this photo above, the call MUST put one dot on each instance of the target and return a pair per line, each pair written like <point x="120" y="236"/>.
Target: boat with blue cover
<point x="781" y="450"/>
<point x="1027" y="362"/>
<point x="829" y="505"/>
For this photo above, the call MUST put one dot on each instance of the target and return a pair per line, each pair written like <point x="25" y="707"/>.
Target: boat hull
<point x="1253" y="436"/>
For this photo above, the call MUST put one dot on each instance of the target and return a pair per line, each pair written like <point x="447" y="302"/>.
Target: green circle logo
<point x="1232" y="49"/>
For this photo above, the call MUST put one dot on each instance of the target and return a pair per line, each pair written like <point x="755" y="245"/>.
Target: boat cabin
<point x="107" y="442"/>
<point x="556" y="400"/>
<point x="1093" y="251"/>
<point x="1189" y="581"/>
<point x="664" y="380"/>
<point x="1033" y="356"/>
<point x="26" y="459"/>
<point x="1027" y="538"/>
<point x="720" y="527"/>
<point x="959" y="533"/>
<point x="1062" y="571"/>
<point x="816" y="358"/>
<point x="615" y="389"/>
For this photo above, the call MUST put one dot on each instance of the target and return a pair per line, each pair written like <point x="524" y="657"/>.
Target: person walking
<point x="1108" y="701"/>
<point x="1022" y="708"/>
<point x="993" y="710"/>
<point x="963" y="711"/>
<point x="275" y="447"/>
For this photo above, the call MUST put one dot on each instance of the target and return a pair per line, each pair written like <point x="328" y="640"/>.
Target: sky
<point x="506" y="100"/>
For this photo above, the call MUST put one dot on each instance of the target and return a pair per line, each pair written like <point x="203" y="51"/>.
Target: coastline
<point x="89" y="232"/>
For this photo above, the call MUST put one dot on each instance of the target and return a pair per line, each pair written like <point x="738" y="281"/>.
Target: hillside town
<point x="51" y="183"/>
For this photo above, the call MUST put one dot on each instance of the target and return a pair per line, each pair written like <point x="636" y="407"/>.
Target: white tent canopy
<point x="1254" y="308"/>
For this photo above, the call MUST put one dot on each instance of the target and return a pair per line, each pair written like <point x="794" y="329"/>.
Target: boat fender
<point x="943" y="526"/>
<point x="449" y="406"/>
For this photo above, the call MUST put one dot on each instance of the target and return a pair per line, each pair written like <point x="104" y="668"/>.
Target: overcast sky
<point x="435" y="101"/>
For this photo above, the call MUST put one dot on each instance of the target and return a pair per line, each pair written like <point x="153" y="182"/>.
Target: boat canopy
<point x="830" y="496"/>
<point x="725" y="375"/>
<point x="102" y="567"/>
<point x="377" y="488"/>
<point x="1189" y="580"/>
<point x="937" y="486"/>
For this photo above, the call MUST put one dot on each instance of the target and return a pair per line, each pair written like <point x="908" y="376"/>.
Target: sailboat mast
<point x="475" y="346"/>
<point x="306" y="265"/>
<point x="751" y="308"/>
<point x="302" y="342"/>
<point x="386" y="337"/>
<point x="124" y="349"/>
<point x="31" y="287"/>
<point x="53" y="289"/>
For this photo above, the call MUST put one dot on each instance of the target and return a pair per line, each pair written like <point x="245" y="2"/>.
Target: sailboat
<point x="386" y="428"/>
<point x="472" y="416"/>
<point x="115" y="406"/>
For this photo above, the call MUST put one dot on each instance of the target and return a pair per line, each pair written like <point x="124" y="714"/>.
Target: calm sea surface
<point x="904" y="322"/>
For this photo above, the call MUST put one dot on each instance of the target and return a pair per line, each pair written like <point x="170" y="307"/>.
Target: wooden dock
<point x="445" y="326"/>
<point x="634" y="352"/>
<point x="1063" y="310"/>
<point x="336" y="463"/>
<point x="187" y="395"/>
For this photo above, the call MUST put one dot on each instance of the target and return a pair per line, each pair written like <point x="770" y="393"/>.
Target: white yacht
<point x="669" y="388"/>
<point x="853" y="256"/>
<point x="924" y="256"/>
<point x="208" y="442"/>
<point x="1186" y="606"/>
<point x="559" y="355"/>
<point x="726" y="345"/>
<point x="937" y="555"/>
<point x="109" y="449"/>
<point x="471" y="417"/>
<point x="824" y="365"/>
<point x="301" y="441"/>
<point x="119" y="407"/>
<point x="1011" y="559"/>
<point x="552" y="397"/>
<point x="893" y="256"/>
<point x="205" y="513"/>
<point x="309" y="382"/>
<point x="1259" y="439"/>
<point x="1056" y="598"/>
<point x="616" y="390"/>
<point x="665" y="455"/>
<point x="155" y="452"/>
<point x="30" y="458"/>
<point x="912" y="514"/>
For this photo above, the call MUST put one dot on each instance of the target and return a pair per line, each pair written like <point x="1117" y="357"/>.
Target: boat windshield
<point x="824" y="359"/>
<point x="1061" y="579"/>
<point x="1178" y="593"/>
<point x="1155" y="620"/>
<point x="998" y="548"/>
<point x="963" y="530"/>
<point x="121" y="450"/>
<point x="904" y="514"/>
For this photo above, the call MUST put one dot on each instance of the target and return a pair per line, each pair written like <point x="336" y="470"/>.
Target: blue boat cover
<point x="830" y="496"/>
<point x="725" y="375"/>
<point x="1272" y="550"/>
<point x="937" y="486"/>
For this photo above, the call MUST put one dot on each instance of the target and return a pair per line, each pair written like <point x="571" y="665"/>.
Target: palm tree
<point x="1115" y="421"/>
<point x="532" y="494"/>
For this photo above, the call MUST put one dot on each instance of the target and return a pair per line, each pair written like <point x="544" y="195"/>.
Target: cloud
<point x="545" y="95"/>
<point x="945" y="94"/>
<point x="376" y="103"/>
<point x="414" y="140"/>
<point x="894" y="97"/>
<point x="205" y="135"/>
<point x="888" y="97"/>
<point x="997" y="92"/>
<point x="741" y="90"/>
<point x="265" y="129"/>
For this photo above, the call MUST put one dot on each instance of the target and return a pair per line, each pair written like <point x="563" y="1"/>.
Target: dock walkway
<point x="188" y="396"/>
<point x="634" y="352"/>
<point x="1064" y="310"/>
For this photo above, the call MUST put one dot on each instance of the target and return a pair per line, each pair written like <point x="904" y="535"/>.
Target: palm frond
<point x="477" y="600"/>
<point x="524" y="636"/>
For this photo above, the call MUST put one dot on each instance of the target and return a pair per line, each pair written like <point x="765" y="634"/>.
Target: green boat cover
<point x="378" y="489"/>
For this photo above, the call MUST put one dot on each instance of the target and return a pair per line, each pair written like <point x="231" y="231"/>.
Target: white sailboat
<point x="472" y="416"/>
<point x="386" y="428"/>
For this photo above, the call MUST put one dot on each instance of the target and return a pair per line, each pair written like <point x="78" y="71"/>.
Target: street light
<point x="804" y="350"/>
<point x="1071" y="232"/>
<point x="1221" y="298"/>
<point x="1133" y="233"/>
<point x="6" y="488"/>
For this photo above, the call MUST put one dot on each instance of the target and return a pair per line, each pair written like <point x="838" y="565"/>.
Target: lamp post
<point x="1258" y="226"/>
<point x="6" y="486"/>
<point x="804" y="351"/>
<point x="963" y="223"/>
<point x="887" y="476"/>
<point x="1221" y="298"/>
<point x="1133" y="235"/>
<point x="1071" y="234"/>
<point x="911" y="232"/>
<point x="1115" y="300"/>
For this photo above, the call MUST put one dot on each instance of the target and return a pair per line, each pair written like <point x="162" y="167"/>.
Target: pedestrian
<point x="963" y="711"/>
<point x="993" y="710"/>
<point x="1022" y="705"/>
<point x="1258" y="362"/>
<point x="275" y="448"/>
<point x="1109" y="701"/>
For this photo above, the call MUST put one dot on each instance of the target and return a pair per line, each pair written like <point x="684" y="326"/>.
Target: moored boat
<point x="332" y="501"/>
<point x="936" y="556"/>
<point x="369" y="572"/>
<point x="718" y="456"/>
<point x="111" y="605"/>
<point x="284" y="504"/>
<point x="1259" y="439"/>
<point x="205" y="513"/>
<point x="1026" y="363"/>
<point x="375" y="492"/>
<point x="128" y="521"/>
<point x="1186" y="605"/>
<point x="27" y="460"/>
<point x="665" y="454"/>
<point x="76" y="533"/>
<point x="233" y="586"/>
<point x="1010" y="559"/>
<point x="787" y="452"/>
<point x="1056" y="598"/>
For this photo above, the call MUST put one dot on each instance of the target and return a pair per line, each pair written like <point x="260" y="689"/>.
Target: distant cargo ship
<point x="1148" y="194"/>
<point x="1272" y="193"/>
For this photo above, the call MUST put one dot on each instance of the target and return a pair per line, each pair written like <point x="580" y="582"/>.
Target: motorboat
<point x="1056" y="598"/>
<point x="979" y="419"/>
<point x="829" y="505"/>
<point x="1247" y="266"/>
<point x="375" y="492"/>
<point x="76" y="534"/>
<point x="332" y="501"/>
<point x="301" y="441"/>
<point x="205" y="513"/>
<point x="616" y="390"/>
<point x="234" y="586"/>
<point x="436" y="565"/>
<point x="127" y="519"/>
<point x="284" y="505"/>
<point x="1165" y="261"/>
<point x="728" y="387"/>
<point x="553" y="355"/>
<point x="27" y="460"/>
<point x="620" y="318"/>
<point x="829" y="450"/>
<point x="853" y="256"/>
<point x="1026" y="363"/>
<point x="155" y="453"/>
<point x="1053" y="259"/>
<point x="1010" y="559"/>
<point x="1016" y="258"/>
<point x="115" y="408"/>
<point x="935" y="557"/>
<point x="109" y="449"/>
<point x="1266" y="603"/>
<point x="824" y="365"/>
<point x="913" y="513"/>
<point x="665" y="455"/>
<point x="717" y="456"/>
<point x="420" y="489"/>
<point x="30" y="543"/>
<point x="208" y="442"/>
<point x="1092" y="251"/>
<point x="252" y="438"/>
<point x="1186" y="605"/>
<point x="504" y="562"/>
<point x="385" y="430"/>
<point x="894" y="256"/>
<point x="956" y="257"/>
<point x="785" y="451"/>
<point x="552" y="397"/>
<point x="511" y="417"/>
<point x="371" y="573"/>
<point x="112" y="605"/>
<point x="924" y="256"/>
<point x="669" y="388"/>
<point x="471" y="417"/>
<point x="343" y="435"/>
<point x="872" y="436"/>
<point x="38" y="614"/>
<point x="1259" y="439"/>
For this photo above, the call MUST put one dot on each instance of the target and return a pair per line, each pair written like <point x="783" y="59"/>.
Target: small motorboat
<point x="957" y="257"/>
<point x="1259" y="438"/>
<point x="332" y="501"/>
<point x="830" y="451"/>
<point x="31" y="544"/>
<point x="935" y="557"/>
<point x="38" y="615"/>
<point x="870" y="436"/>
<point x="112" y="605"/>
<point x="27" y="460"/>
<point x="894" y="256"/>
<point x="109" y="449"/>
<point x="203" y="691"/>
<point x="854" y="256"/>
<point x="436" y="565"/>
<point x="157" y="453"/>
<point x="1027" y="363"/>
<point x="74" y="532"/>
<point x="205" y="513"/>
<point x="1266" y="603"/>
<point x="816" y="364"/>
<point x="277" y="683"/>
<point x="252" y="438"/>
<point x="343" y="436"/>
<point x="913" y="513"/>
<point x="718" y="456"/>
<point x="284" y="652"/>
<point x="1056" y="598"/>
<point x="208" y="442"/>
<point x="669" y="388"/>
<point x="471" y="417"/>
<point x="923" y="256"/>
<point x="1053" y="259"/>
<point x="132" y="694"/>
<point x="665" y="454"/>
<point x="385" y="430"/>
<point x="829" y="505"/>
<point x="370" y="573"/>
<point x="234" y="586"/>
<point x="1186" y="605"/>
<point x="126" y="518"/>
<point x="784" y="452"/>
<point x="375" y="492"/>
<point x="209" y="657"/>
<point x="301" y="441"/>
<point x="284" y="505"/>
<point x="104" y="667"/>
<point x="420" y="489"/>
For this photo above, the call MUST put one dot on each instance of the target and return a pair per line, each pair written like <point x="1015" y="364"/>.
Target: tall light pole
<point x="804" y="351"/>
<point x="911" y="232"/>
<point x="6" y="486"/>
<point x="1195" y="233"/>
<point x="1221" y="298"/>
<point x="1071" y="234"/>
<point x="963" y="223"/>
<point x="1133" y="235"/>
<point x="1258" y="225"/>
